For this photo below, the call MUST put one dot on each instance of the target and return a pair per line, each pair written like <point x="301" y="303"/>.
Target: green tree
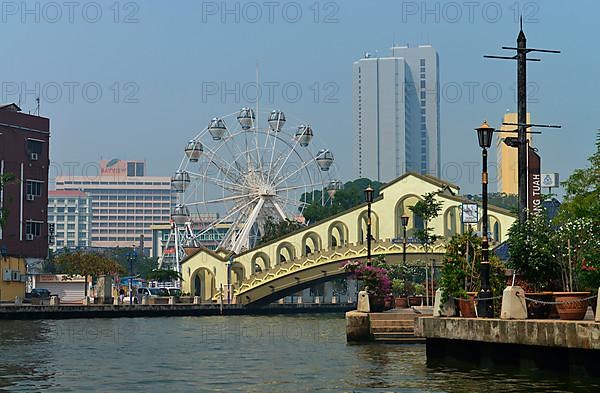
<point x="4" y="180"/>
<point x="274" y="229"/>
<point x="351" y="195"/>
<point x="86" y="264"/>
<point x="427" y="209"/>
<point x="501" y="199"/>
<point x="162" y="275"/>
<point x="578" y="222"/>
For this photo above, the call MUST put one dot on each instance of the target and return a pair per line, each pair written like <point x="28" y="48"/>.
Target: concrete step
<point x="388" y="316"/>
<point x="392" y="329"/>
<point x="392" y="323"/>
<point x="397" y="337"/>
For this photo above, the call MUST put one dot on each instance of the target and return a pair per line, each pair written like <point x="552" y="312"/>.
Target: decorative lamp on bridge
<point x="369" y="194"/>
<point x="246" y="118"/>
<point x="404" y="219"/>
<point x="276" y="120"/>
<point x="304" y="135"/>
<point x="484" y="134"/>
<point x="180" y="181"/>
<point x="194" y="150"/>
<point x="369" y="200"/>
<point x="217" y="128"/>
<point x="180" y="214"/>
<point x="324" y="159"/>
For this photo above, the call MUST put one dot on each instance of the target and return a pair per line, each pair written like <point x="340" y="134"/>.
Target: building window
<point x="34" y="146"/>
<point x="422" y="62"/>
<point x="33" y="228"/>
<point x="34" y="187"/>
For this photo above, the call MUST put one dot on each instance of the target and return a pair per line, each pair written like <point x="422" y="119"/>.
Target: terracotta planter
<point x="401" y="302"/>
<point x="376" y="304"/>
<point x="573" y="311"/>
<point x="467" y="307"/>
<point x="539" y="310"/>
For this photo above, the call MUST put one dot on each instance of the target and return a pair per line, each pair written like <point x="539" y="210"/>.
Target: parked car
<point x="150" y="292"/>
<point x="174" y="292"/>
<point x="37" y="293"/>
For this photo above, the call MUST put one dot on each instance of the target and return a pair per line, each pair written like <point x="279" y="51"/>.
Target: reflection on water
<point x="229" y="354"/>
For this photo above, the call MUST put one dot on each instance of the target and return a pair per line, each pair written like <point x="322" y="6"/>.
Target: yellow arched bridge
<point x="315" y="254"/>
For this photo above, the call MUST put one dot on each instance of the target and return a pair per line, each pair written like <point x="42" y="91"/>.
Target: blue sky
<point x="170" y="53"/>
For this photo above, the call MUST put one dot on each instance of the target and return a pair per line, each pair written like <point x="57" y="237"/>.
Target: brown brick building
<point x="24" y="152"/>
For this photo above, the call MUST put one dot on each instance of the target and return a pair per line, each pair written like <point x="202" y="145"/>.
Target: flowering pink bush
<point x="375" y="279"/>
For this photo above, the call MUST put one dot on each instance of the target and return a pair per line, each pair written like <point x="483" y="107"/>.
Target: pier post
<point x="598" y="307"/>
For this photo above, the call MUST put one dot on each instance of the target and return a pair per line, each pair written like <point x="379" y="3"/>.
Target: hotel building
<point x="125" y="202"/>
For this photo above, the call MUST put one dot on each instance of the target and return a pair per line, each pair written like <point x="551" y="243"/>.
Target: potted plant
<point x="533" y="257"/>
<point x="577" y="242"/>
<point x="400" y="292"/>
<point x="375" y="281"/>
<point x="460" y="275"/>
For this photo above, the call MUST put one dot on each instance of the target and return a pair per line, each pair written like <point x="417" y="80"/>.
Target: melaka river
<point x="231" y="354"/>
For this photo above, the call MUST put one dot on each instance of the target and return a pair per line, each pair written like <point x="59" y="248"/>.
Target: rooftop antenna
<point x="37" y="109"/>
<point x="523" y="127"/>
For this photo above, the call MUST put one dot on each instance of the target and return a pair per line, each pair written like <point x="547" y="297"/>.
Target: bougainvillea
<point x="375" y="279"/>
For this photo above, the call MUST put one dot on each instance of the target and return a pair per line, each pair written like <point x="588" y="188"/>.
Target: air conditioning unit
<point x="30" y="197"/>
<point x="33" y="156"/>
<point x="23" y="278"/>
<point x="6" y="274"/>
<point x="29" y="236"/>
<point x="15" y="275"/>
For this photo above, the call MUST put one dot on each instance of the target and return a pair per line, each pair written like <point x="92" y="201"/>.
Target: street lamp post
<point x="484" y="304"/>
<point x="369" y="200"/>
<point x="132" y="256"/>
<point x="404" y="225"/>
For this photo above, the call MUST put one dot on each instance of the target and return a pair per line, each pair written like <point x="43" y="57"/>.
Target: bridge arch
<point x="362" y="226"/>
<point x="203" y="284"/>
<point x="337" y="235"/>
<point x="285" y="252"/>
<point x="403" y="207"/>
<point x="311" y="242"/>
<point x="452" y="222"/>
<point x="260" y="262"/>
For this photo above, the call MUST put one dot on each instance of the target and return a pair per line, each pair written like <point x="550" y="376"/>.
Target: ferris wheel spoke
<point x="300" y="186"/>
<point x="220" y="167"/>
<point x="220" y="182"/>
<point x="227" y="216"/>
<point x="292" y="201"/>
<point x="300" y="169"/>
<point x="292" y="150"/>
<point x="220" y="200"/>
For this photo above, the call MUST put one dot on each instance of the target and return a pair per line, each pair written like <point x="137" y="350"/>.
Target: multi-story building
<point x="507" y="157"/>
<point x="69" y="219"/>
<point x="24" y="156"/>
<point x="125" y="202"/>
<point x="396" y="109"/>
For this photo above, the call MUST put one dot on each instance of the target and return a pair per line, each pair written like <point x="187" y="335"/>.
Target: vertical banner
<point x="534" y="186"/>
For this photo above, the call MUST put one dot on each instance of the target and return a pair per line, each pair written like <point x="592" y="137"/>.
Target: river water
<point x="229" y="354"/>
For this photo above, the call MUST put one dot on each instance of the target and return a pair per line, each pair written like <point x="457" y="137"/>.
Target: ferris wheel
<point x="237" y="174"/>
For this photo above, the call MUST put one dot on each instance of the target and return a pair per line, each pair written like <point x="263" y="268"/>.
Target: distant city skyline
<point x="396" y="114"/>
<point x="152" y="66"/>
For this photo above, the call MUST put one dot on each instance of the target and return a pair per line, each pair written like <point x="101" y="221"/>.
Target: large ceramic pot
<point x="537" y="310"/>
<point x="573" y="310"/>
<point x="401" y="302"/>
<point x="376" y="304"/>
<point x="467" y="306"/>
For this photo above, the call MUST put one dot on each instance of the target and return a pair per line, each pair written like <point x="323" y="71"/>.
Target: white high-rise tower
<point x="396" y="107"/>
